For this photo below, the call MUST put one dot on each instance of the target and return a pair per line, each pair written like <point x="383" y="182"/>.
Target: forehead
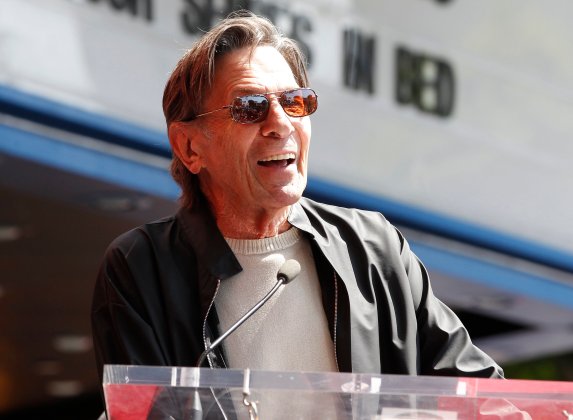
<point x="248" y="70"/>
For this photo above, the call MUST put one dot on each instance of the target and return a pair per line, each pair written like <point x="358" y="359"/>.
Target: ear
<point x="181" y="137"/>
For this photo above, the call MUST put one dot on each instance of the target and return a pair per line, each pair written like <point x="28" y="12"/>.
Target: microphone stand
<point x="288" y="271"/>
<point x="214" y="344"/>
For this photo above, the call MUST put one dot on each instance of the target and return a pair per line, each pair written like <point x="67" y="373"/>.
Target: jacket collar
<point x="209" y="245"/>
<point x="217" y="257"/>
<point x="326" y="237"/>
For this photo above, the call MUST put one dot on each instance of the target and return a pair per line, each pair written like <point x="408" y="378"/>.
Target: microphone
<point x="287" y="273"/>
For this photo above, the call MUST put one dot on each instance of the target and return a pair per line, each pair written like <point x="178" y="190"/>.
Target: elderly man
<point x="237" y="108"/>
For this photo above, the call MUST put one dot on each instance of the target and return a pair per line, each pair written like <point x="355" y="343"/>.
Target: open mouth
<point x="278" y="160"/>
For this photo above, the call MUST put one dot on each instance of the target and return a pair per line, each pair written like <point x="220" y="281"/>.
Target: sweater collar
<point x="213" y="251"/>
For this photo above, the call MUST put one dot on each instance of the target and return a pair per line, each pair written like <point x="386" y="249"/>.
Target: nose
<point x="277" y="124"/>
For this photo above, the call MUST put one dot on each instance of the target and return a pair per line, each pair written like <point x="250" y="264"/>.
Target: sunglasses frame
<point x="278" y="95"/>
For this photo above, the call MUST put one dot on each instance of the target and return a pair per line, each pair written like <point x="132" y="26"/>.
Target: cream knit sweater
<point x="289" y="332"/>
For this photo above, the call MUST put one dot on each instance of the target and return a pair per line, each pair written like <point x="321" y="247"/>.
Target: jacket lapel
<point x="362" y="304"/>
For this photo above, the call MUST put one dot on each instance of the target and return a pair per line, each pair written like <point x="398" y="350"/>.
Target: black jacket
<point x="154" y="292"/>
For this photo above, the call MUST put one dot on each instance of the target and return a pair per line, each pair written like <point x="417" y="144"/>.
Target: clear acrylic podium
<point x="146" y="392"/>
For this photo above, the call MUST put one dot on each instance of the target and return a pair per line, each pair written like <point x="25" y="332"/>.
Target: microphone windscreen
<point x="288" y="271"/>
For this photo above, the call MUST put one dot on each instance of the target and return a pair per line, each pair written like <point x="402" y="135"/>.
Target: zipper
<point x="335" y="319"/>
<point x="206" y="341"/>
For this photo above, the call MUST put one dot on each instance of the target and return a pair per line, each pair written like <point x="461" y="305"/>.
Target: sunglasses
<point x="251" y="109"/>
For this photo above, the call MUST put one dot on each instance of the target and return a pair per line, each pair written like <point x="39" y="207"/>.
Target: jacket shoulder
<point x="140" y="235"/>
<point x="363" y="222"/>
<point x="132" y="257"/>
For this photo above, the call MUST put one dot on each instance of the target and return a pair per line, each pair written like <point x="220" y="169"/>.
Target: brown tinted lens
<point x="299" y="102"/>
<point x="250" y="109"/>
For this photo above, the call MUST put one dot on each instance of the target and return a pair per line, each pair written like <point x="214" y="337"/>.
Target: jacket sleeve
<point x="445" y="347"/>
<point x="120" y="325"/>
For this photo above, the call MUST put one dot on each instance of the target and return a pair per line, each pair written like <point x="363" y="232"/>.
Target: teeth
<point x="284" y="156"/>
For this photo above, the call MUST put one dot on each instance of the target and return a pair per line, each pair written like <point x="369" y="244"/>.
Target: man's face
<point x="257" y="167"/>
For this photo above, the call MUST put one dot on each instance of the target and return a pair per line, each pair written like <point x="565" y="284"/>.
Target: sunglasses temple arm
<point x="215" y="110"/>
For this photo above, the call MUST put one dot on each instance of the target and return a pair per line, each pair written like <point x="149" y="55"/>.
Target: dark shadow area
<point x="87" y="406"/>
<point x="480" y="325"/>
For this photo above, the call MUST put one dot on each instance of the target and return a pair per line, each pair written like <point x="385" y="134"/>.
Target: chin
<point x="288" y="195"/>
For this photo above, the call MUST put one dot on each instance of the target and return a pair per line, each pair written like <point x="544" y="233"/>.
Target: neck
<point x="253" y="224"/>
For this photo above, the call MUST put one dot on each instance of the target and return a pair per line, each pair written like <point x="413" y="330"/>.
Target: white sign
<point x="458" y="107"/>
